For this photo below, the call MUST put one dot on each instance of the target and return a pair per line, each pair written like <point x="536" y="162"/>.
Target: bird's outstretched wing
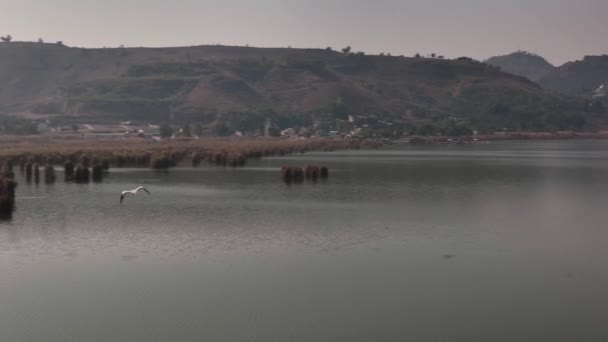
<point x="144" y="189"/>
<point x="122" y="197"/>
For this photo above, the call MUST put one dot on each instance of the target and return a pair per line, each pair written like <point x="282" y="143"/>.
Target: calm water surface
<point x="488" y="242"/>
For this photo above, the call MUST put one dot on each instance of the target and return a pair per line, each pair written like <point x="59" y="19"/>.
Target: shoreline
<point x="506" y="136"/>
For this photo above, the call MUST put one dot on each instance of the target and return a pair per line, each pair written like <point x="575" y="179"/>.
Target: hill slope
<point x="522" y="63"/>
<point x="210" y="83"/>
<point x="579" y="77"/>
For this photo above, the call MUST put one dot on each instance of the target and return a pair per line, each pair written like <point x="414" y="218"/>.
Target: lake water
<point x="485" y="242"/>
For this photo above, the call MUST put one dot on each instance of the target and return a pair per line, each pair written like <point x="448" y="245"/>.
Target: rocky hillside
<point x="583" y="77"/>
<point x="579" y="77"/>
<point x="529" y="65"/>
<point x="208" y="83"/>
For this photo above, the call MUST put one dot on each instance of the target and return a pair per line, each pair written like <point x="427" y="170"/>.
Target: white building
<point x="289" y="132"/>
<point x="600" y="92"/>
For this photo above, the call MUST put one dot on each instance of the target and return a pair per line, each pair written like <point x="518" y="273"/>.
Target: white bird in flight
<point x="133" y="192"/>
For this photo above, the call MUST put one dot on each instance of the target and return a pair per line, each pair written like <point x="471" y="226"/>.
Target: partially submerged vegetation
<point x="86" y="160"/>
<point x="298" y="174"/>
<point x="7" y="189"/>
<point x="77" y="155"/>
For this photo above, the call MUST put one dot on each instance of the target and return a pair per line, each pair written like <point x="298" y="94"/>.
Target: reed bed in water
<point x="160" y="154"/>
<point x="7" y="189"/>
<point x="77" y="156"/>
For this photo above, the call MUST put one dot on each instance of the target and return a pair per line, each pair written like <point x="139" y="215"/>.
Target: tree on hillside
<point x="221" y="129"/>
<point x="12" y="125"/>
<point x="274" y="132"/>
<point x="453" y="129"/>
<point x="346" y="50"/>
<point x="465" y="59"/>
<point x="339" y="109"/>
<point x="166" y="131"/>
<point x="417" y="55"/>
<point x="40" y="41"/>
<point x="186" y="131"/>
<point x="433" y="55"/>
<point x="426" y="129"/>
<point x="7" y="39"/>
<point x="60" y="43"/>
<point x="328" y="48"/>
<point x="198" y="129"/>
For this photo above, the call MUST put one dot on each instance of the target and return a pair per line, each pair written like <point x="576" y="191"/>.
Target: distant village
<point x="151" y="131"/>
<point x="119" y="130"/>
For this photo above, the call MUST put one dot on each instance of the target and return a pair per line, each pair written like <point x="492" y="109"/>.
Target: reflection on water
<point x="496" y="242"/>
<point x="7" y="215"/>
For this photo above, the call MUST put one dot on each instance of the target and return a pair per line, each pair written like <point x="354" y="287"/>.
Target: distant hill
<point x="242" y="86"/>
<point x="526" y="64"/>
<point x="574" y="78"/>
<point x="579" y="77"/>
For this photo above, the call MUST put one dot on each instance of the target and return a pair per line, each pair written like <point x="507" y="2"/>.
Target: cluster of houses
<point x="120" y="130"/>
<point x="352" y="127"/>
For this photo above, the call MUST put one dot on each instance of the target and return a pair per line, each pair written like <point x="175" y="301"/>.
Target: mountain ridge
<point x="581" y="77"/>
<point x="223" y="84"/>
<point x="523" y="63"/>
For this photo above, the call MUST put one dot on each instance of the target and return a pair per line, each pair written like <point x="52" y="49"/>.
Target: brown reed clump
<point x="139" y="153"/>
<point x="142" y="160"/>
<point x="324" y="172"/>
<point x="163" y="162"/>
<point x="8" y="165"/>
<point x="69" y="171"/>
<point x="97" y="173"/>
<point x="7" y="169"/>
<point x="219" y="158"/>
<point x="7" y="197"/>
<point x="308" y="172"/>
<point x="85" y="161"/>
<point x="298" y="174"/>
<point x="120" y="161"/>
<point x="105" y="164"/>
<point x="36" y="173"/>
<point x="22" y="165"/>
<point x="292" y="174"/>
<point x="49" y="159"/>
<point x="237" y="159"/>
<point x="287" y="172"/>
<point x="312" y="172"/>
<point x="82" y="174"/>
<point x="28" y="171"/>
<point x="255" y="155"/>
<point x="196" y="159"/>
<point x="7" y="190"/>
<point x="49" y="174"/>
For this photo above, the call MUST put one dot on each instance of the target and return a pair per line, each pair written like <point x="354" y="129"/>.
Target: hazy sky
<point x="560" y="30"/>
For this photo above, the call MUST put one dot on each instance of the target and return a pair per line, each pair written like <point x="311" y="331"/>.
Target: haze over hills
<point x="241" y="87"/>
